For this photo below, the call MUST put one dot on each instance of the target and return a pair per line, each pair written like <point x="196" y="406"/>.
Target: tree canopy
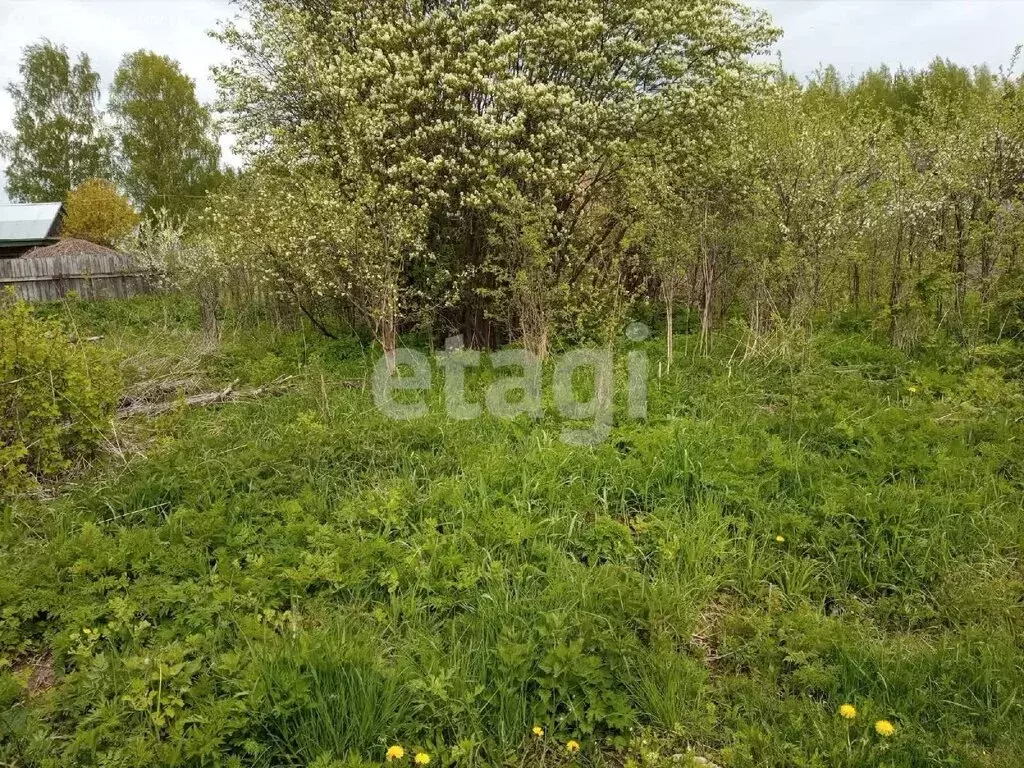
<point x="166" y="145"/>
<point x="444" y="131"/>
<point x="97" y="212"/>
<point x="524" y="174"/>
<point x="57" y="142"/>
<point x="521" y="173"/>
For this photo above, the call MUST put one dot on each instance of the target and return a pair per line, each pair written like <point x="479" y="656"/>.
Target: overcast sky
<point x="108" y="29"/>
<point x="852" y="34"/>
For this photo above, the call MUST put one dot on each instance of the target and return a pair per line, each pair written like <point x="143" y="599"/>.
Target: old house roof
<point x="26" y="223"/>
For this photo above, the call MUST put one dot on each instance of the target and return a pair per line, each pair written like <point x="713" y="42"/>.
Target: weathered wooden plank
<point x="90" y="275"/>
<point x="93" y="276"/>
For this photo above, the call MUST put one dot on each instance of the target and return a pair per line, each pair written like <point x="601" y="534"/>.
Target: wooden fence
<point x="91" y="276"/>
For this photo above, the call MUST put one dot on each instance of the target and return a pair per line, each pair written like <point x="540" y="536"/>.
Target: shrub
<point x="98" y="213"/>
<point x="180" y="262"/>
<point x="55" y="401"/>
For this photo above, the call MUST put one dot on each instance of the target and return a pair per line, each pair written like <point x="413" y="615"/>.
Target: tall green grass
<point x="298" y="580"/>
<point x="325" y="695"/>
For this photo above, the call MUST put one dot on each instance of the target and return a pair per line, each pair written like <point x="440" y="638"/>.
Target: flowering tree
<point x="462" y="117"/>
<point x="510" y="171"/>
<point x="318" y="248"/>
<point x="182" y="260"/>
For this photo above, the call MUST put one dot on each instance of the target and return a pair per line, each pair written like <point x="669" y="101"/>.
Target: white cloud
<point x="852" y="34"/>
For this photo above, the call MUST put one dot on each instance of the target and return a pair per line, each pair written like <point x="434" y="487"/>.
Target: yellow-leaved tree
<point x="97" y="212"/>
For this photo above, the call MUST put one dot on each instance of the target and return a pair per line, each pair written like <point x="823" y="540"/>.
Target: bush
<point x="54" y="400"/>
<point x="182" y="263"/>
<point x="98" y="213"/>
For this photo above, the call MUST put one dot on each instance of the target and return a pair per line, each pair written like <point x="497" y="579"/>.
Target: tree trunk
<point x="668" y="292"/>
<point x="386" y="328"/>
<point x="708" y="265"/>
<point x="208" y="302"/>
<point x="896" y="290"/>
<point x="987" y="261"/>
<point x="535" y="338"/>
<point x="961" y="261"/>
<point x="533" y="320"/>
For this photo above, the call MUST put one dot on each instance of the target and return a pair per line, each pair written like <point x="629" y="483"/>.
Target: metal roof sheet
<point x="26" y="222"/>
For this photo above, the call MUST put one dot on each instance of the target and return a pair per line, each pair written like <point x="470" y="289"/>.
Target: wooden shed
<point x="40" y="266"/>
<point x="24" y="226"/>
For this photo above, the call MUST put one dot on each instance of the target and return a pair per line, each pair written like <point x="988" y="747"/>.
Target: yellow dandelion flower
<point x="538" y="731"/>
<point x="848" y="711"/>
<point x="396" y="752"/>
<point x="572" y="746"/>
<point x="86" y="631"/>
<point x="912" y="390"/>
<point x="780" y="539"/>
<point x="422" y="758"/>
<point x="885" y="728"/>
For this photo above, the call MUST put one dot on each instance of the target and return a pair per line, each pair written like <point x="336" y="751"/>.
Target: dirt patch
<point x="41" y="676"/>
<point x="708" y="633"/>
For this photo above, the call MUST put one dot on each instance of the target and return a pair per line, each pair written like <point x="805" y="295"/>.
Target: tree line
<point x="536" y="174"/>
<point x="156" y="143"/>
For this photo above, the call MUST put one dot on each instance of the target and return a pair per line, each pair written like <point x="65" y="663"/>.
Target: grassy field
<point x="297" y="580"/>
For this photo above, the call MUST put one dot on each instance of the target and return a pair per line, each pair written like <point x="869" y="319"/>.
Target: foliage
<point x="57" y="141"/>
<point x="180" y="261"/>
<point x="325" y="696"/>
<point x="817" y="529"/>
<point x="432" y="129"/>
<point x="314" y="248"/>
<point x="259" y="580"/>
<point x="441" y="181"/>
<point x="166" y="144"/>
<point x="896" y="195"/>
<point x="96" y="212"/>
<point x="55" y="398"/>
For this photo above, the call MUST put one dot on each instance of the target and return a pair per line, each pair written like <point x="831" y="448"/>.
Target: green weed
<point x="297" y="580"/>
